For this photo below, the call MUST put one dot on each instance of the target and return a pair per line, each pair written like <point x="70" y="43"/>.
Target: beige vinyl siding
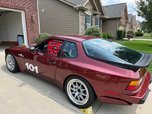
<point x="58" y="18"/>
<point x="111" y="26"/>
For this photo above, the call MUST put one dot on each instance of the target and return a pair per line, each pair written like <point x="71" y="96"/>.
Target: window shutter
<point x="85" y="21"/>
<point x="91" y="20"/>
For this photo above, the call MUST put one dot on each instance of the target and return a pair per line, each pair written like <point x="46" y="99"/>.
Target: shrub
<point x="109" y="35"/>
<point x="93" y="31"/>
<point x="106" y="36"/>
<point x="41" y="37"/>
<point x="120" y="34"/>
<point x="130" y="34"/>
<point x="139" y="33"/>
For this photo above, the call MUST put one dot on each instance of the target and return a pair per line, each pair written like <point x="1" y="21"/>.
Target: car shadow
<point x="43" y="87"/>
<point x="53" y="92"/>
<point x="117" y="109"/>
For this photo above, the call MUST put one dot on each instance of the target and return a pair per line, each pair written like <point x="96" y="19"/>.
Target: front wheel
<point x="11" y="63"/>
<point x="79" y="92"/>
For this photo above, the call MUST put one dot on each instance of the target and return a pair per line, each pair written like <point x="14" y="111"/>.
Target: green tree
<point x="145" y="27"/>
<point x="145" y="10"/>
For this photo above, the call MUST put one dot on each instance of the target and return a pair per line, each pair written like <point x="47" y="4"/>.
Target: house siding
<point x="58" y="18"/>
<point x="111" y="26"/>
<point x="30" y="9"/>
<point x="123" y="22"/>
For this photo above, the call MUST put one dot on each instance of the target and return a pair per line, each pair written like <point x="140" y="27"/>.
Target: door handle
<point x="52" y="61"/>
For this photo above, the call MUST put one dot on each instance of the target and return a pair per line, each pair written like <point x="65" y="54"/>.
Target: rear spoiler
<point x="142" y="63"/>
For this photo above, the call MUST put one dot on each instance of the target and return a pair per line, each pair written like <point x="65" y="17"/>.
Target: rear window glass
<point x="110" y="51"/>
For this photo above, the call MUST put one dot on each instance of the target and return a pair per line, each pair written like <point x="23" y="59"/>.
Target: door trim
<point x="23" y="23"/>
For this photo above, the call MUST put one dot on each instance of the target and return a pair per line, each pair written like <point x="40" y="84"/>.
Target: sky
<point x="132" y="7"/>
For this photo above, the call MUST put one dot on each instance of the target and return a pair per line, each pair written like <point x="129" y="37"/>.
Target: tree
<point x="145" y="27"/>
<point x="144" y="9"/>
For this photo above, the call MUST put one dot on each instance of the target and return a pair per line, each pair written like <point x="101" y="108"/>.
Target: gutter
<point x="67" y="3"/>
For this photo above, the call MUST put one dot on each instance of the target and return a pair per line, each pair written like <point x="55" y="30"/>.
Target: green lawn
<point x="147" y="36"/>
<point x="142" y="46"/>
<point x="138" y="45"/>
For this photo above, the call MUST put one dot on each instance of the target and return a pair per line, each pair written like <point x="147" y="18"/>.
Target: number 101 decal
<point x="32" y="67"/>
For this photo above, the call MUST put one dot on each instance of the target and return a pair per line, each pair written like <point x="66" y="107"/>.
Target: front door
<point x="46" y="65"/>
<point x="46" y="58"/>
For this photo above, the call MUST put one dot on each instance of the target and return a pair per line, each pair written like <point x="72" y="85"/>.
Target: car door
<point x="47" y="59"/>
<point x="30" y="64"/>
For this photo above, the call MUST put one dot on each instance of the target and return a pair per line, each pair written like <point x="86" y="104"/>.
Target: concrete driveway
<point x="23" y="93"/>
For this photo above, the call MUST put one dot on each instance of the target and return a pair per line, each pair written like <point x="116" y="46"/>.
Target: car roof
<point x="76" y="38"/>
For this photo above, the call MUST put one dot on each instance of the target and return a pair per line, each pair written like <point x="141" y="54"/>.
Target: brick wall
<point x="30" y="9"/>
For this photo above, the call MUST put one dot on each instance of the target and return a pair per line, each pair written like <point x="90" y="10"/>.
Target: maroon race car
<point x="86" y="68"/>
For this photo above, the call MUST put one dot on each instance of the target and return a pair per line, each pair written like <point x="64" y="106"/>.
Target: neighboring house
<point x="138" y="25"/>
<point x="116" y="18"/>
<point x="69" y="16"/>
<point x="131" y="25"/>
<point x="18" y="17"/>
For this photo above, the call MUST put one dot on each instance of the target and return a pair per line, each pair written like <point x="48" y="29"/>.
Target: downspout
<point x="116" y="26"/>
<point x="79" y="20"/>
<point x="117" y="23"/>
<point x="38" y="12"/>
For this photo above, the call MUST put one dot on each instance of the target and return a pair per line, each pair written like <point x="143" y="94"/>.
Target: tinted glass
<point x="110" y="51"/>
<point x="42" y="47"/>
<point x="69" y="50"/>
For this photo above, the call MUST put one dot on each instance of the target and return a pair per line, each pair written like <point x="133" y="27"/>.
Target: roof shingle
<point x="114" y="11"/>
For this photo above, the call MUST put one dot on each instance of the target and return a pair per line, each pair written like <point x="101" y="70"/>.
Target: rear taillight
<point x="134" y="84"/>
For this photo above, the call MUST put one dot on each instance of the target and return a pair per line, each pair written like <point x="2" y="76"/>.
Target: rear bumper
<point x="142" y="101"/>
<point x="142" y="95"/>
<point x="139" y="98"/>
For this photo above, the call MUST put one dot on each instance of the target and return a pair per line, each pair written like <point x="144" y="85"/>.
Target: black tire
<point x="91" y="95"/>
<point x="15" y="69"/>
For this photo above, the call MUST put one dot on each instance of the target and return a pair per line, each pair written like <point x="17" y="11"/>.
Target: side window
<point x="69" y="50"/>
<point x="42" y="47"/>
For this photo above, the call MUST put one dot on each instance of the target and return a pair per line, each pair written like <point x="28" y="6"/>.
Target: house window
<point x="97" y="21"/>
<point x="88" y="21"/>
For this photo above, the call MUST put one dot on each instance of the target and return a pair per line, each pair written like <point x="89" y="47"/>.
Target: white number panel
<point x="32" y="68"/>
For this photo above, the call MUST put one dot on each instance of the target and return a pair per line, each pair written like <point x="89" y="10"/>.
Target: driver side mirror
<point x="32" y="49"/>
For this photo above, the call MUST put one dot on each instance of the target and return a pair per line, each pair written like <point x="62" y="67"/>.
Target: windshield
<point x="110" y="51"/>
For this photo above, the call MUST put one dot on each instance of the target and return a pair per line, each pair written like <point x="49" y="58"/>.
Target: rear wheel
<point x="11" y="63"/>
<point x="79" y="92"/>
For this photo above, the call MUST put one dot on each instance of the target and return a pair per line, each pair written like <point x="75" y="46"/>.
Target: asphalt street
<point x="23" y="93"/>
